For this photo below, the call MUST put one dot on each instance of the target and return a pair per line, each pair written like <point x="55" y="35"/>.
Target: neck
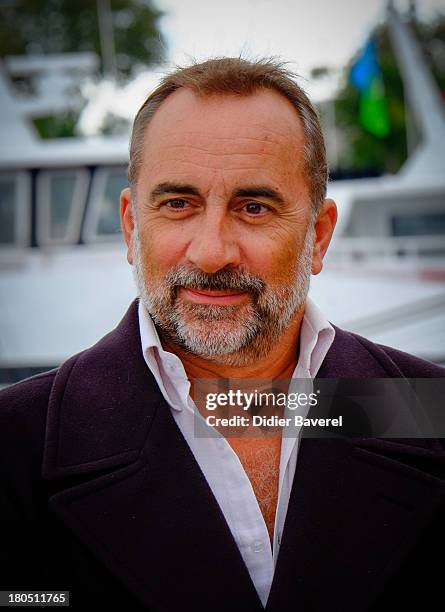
<point x="280" y="362"/>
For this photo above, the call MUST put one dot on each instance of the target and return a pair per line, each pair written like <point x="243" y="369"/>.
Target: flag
<point x="366" y="76"/>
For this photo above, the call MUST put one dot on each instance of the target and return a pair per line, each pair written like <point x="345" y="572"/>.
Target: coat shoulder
<point x="354" y="356"/>
<point x="23" y="406"/>
<point x="410" y="365"/>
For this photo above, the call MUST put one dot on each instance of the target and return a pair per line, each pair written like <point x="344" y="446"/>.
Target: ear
<point x="324" y="228"/>
<point x="127" y="222"/>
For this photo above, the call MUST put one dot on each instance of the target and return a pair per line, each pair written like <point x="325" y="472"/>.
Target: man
<point x="107" y="490"/>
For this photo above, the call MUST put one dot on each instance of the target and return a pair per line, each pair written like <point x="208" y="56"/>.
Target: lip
<point x="214" y="297"/>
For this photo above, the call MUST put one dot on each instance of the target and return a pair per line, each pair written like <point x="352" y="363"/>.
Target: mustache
<point x="224" y="279"/>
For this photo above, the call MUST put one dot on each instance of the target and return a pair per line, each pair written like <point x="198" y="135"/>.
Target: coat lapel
<point x="143" y="507"/>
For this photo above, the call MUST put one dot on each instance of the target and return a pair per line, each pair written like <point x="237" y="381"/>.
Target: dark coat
<point x="101" y="495"/>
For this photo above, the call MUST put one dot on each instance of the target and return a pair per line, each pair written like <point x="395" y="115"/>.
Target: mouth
<point x="215" y="297"/>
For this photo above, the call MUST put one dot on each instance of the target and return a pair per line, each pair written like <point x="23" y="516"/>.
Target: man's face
<point x="223" y="238"/>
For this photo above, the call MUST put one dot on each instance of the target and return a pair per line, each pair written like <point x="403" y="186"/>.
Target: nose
<point x="213" y="246"/>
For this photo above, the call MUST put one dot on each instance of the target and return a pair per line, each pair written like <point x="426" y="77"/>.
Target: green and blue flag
<point x="366" y="76"/>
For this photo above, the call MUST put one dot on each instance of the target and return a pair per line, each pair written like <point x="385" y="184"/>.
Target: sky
<point x="305" y="33"/>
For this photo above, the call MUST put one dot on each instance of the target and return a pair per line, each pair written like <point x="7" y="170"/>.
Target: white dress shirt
<point x="216" y="458"/>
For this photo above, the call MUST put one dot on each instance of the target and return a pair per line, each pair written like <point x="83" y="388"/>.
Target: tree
<point x="61" y="26"/>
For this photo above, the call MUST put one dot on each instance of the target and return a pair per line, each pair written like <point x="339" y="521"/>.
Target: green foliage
<point x="56" y="126"/>
<point x="366" y="151"/>
<point x="433" y="35"/>
<point x="61" y="26"/>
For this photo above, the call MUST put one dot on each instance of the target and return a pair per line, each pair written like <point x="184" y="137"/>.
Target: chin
<point x="213" y="339"/>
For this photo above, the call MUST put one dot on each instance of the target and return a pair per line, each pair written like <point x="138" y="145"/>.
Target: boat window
<point x="109" y="222"/>
<point x="418" y="225"/>
<point x="103" y="221"/>
<point x="60" y="203"/>
<point x="14" y="209"/>
<point x="7" y="209"/>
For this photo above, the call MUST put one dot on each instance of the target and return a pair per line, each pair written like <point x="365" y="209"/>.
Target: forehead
<point x="225" y="134"/>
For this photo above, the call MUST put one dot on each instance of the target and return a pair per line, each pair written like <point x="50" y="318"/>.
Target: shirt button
<point x="257" y="546"/>
<point x="279" y="538"/>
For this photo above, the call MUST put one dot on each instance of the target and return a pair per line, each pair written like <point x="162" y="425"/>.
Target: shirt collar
<point x="316" y="337"/>
<point x="166" y="367"/>
<point x="149" y="333"/>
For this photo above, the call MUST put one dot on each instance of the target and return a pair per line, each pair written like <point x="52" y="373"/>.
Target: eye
<point x="176" y="205"/>
<point x="255" y="208"/>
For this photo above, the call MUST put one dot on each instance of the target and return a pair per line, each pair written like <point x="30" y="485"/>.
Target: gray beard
<point x="231" y="335"/>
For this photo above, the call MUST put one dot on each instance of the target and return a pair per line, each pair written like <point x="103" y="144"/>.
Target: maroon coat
<point x="101" y="495"/>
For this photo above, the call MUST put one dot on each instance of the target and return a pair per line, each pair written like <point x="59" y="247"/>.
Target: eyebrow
<point x="164" y="188"/>
<point x="259" y="192"/>
<point x="245" y="192"/>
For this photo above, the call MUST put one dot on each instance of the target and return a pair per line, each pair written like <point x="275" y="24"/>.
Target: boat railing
<point x="388" y="248"/>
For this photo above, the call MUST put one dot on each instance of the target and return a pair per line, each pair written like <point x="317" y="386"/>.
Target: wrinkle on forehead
<point x="228" y="146"/>
<point x="170" y="160"/>
<point x="210" y="142"/>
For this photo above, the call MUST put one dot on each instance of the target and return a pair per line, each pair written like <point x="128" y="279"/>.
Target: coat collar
<point x="101" y="406"/>
<point x="142" y="505"/>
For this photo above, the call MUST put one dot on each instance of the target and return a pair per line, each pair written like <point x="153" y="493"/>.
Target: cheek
<point x="162" y="249"/>
<point x="273" y="257"/>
